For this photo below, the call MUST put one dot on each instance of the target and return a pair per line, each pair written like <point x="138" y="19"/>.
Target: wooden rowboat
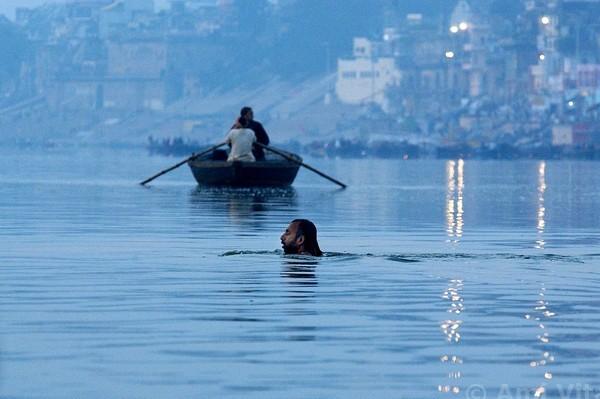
<point x="275" y="172"/>
<point x="211" y="168"/>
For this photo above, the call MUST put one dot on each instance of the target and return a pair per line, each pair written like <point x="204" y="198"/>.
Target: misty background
<point x="408" y="78"/>
<point x="111" y="288"/>
<point x="8" y="7"/>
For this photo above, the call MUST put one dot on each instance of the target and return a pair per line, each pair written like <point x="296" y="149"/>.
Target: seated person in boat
<point x="262" y="137"/>
<point x="300" y="238"/>
<point x="240" y="138"/>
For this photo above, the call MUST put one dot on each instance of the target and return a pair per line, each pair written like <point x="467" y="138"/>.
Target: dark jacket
<point x="258" y="129"/>
<point x="261" y="136"/>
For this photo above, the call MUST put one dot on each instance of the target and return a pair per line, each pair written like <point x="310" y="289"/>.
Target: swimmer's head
<point x="300" y="237"/>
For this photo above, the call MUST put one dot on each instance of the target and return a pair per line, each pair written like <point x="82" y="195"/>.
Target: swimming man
<point x="300" y="238"/>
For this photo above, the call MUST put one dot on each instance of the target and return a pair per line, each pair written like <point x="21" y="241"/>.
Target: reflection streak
<point x="540" y="315"/>
<point x="454" y="199"/>
<point x="451" y="329"/>
<point x="541" y="209"/>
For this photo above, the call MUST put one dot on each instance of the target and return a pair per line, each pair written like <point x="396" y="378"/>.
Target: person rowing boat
<point x="247" y="115"/>
<point x="241" y="139"/>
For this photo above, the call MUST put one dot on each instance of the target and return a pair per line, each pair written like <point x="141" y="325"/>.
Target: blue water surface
<point x="458" y="278"/>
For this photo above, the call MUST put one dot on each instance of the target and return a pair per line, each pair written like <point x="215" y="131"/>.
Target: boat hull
<point x="244" y="174"/>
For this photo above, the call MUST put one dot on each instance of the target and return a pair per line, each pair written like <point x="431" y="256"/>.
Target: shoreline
<point x="356" y="149"/>
<point x="338" y="149"/>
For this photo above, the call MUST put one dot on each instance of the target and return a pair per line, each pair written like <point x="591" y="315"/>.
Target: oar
<point x="194" y="156"/>
<point x="289" y="158"/>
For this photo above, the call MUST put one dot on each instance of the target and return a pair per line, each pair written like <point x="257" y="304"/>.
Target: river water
<point x="466" y="279"/>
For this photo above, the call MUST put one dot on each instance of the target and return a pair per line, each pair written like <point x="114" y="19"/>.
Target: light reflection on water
<point x="112" y="290"/>
<point x="451" y="329"/>
<point x="541" y="316"/>
<point x="541" y="210"/>
<point x="454" y="200"/>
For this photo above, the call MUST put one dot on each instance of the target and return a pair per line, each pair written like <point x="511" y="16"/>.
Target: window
<point x="349" y="75"/>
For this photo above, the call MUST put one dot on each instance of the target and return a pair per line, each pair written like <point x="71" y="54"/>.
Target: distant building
<point x="461" y="15"/>
<point x="140" y="58"/>
<point x="588" y="76"/>
<point x="85" y="10"/>
<point x="471" y="39"/>
<point x="135" y="79"/>
<point x="562" y="135"/>
<point x="577" y="134"/>
<point x="136" y="74"/>
<point x="133" y="94"/>
<point x="365" y="78"/>
<point x="116" y="17"/>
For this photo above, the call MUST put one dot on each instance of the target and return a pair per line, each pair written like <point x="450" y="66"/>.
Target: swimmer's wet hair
<point x="309" y="231"/>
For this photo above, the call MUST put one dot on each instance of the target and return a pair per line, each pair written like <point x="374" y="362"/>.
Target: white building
<point x="364" y="78"/>
<point x="562" y="135"/>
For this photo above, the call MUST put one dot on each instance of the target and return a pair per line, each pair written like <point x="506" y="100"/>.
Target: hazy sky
<point x="7" y="7"/>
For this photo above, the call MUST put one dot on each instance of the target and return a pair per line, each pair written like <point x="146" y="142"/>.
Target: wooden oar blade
<point x="290" y="158"/>
<point x="193" y="156"/>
